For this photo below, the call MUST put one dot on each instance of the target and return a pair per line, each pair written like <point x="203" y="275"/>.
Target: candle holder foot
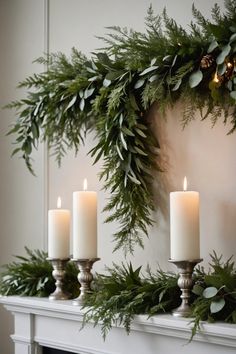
<point x="185" y="283"/>
<point x="85" y="278"/>
<point x="59" y="266"/>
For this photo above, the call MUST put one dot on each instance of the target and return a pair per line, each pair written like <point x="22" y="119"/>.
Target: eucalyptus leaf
<point x="123" y="141"/>
<point x="217" y="305"/>
<point x="153" y="78"/>
<point x="141" y="152"/>
<point x="210" y="292"/>
<point x="195" y="78"/>
<point x="35" y="130"/>
<point x="139" y="83"/>
<point x="88" y="92"/>
<point x="127" y="131"/>
<point x="106" y="82"/>
<point x="72" y="102"/>
<point x="82" y="104"/>
<point x="81" y="93"/>
<point x="214" y="44"/>
<point x="93" y="78"/>
<point x="133" y="179"/>
<point x="148" y="70"/>
<point x="119" y="152"/>
<point x="27" y="146"/>
<point x="140" y="132"/>
<point x="233" y="94"/>
<point x="15" y="151"/>
<point x="174" y="61"/>
<point x="153" y="61"/>
<point x="90" y="70"/>
<point x="221" y="69"/>
<point x="224" y="52"/>
<point x="232" y="38"/>
<point x="167" y="58"/>
<point x="177" y="85"/>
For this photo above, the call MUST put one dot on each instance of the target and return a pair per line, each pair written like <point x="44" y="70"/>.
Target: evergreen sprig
<point x="112" y="93"/>
<point x="123" y="293"/>
<point x="32" y="276"/>
<point x="216" y="293"/>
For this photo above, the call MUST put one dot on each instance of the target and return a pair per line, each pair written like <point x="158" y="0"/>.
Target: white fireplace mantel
<point x="56" y="324"/>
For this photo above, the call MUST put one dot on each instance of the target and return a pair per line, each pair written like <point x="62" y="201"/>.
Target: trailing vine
<point x="112" y="92"/>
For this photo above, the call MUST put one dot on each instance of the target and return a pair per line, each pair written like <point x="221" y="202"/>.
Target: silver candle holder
<point x="185" y="283"/>
<point x="58" y="273"/>
<point x="85" y="278"/>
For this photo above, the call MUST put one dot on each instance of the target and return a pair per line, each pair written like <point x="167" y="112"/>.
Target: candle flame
<point x="59" y="202"/>
<point x="85" y="184"/>
<point x="185" y="184"/>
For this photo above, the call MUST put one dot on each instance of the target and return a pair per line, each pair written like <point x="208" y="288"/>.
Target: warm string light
<point x="216" y="79"/>
<point x="229" y="67"/>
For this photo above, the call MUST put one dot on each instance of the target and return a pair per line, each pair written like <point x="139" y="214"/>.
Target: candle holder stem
<point x="185" y="283"/>
<point x="58" y="273"/>
<point x="85" y="278"/>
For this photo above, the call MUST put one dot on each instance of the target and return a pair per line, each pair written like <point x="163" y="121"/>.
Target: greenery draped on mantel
<point x="124" y="292"/>
<point x="111" y="93"/>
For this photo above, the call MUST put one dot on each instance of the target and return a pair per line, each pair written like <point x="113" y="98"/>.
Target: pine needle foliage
<point x="32" y="276"/>
<point x="123" y="293"/>
<point x="216" y="293"/>
<point x="112" y="93"/>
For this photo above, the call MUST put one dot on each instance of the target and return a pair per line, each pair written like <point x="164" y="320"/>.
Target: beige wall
<point x="21" y="195"/>
<point x="204" y="154"/>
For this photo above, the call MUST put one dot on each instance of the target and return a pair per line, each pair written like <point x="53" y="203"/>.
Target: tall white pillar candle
<point x="84" y="224"/>
<point x="59" y="232"/>
<point x="184" y="225"/>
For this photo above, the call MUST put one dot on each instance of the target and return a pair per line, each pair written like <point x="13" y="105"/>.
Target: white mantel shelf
<point x="40" y="322"/>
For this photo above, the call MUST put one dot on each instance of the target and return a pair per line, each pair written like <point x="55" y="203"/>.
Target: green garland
<point x="31" y="275"/>
<point x="112" y="93"/>
<point x="124" y="292"/>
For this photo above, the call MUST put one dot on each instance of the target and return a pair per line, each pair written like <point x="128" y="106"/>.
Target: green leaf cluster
<point x="112" y="93"/>
<point x="32" y="276"/>
<point x="123" y="292"/>
<point x="216" y="293"/>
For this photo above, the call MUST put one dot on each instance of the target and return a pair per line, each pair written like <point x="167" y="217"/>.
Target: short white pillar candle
<point x="58" y="232"/>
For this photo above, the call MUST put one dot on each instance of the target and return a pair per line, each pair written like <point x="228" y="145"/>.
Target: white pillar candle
<point x="59" y="232"/>
<point x="184" y="225"/>
<point x="84" y="224"/>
